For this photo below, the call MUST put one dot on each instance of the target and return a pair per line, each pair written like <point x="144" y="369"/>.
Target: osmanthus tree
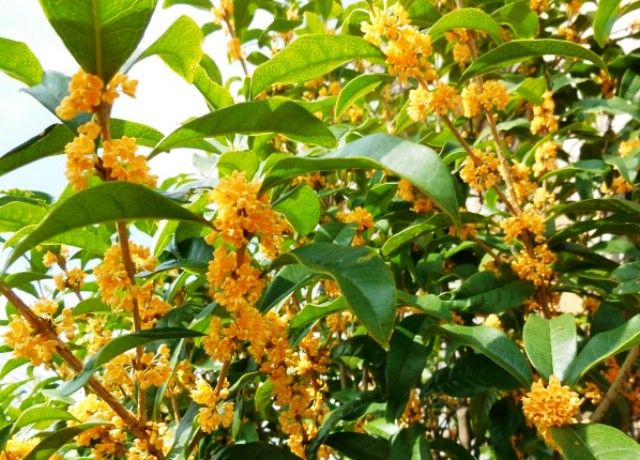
<point x="421" y="240"/>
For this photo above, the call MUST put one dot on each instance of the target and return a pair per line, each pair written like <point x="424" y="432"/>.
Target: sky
<point x="164" y="100"/>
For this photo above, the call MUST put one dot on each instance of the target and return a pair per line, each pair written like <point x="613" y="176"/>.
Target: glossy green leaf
<point x="311" y="313"/>
<point x="90" y="305"/>
<point x="414" y="162"/>
<point x="495" y="345"/>
<point x="100" y="34"/>
<point x="54" y="441"/>
<point x="406" y="360"/>
<point x="285" y="282"/>
<point x="255" y="450"/>
<point x="551" y="345"/>
<point x="180" y="47"/>
<point x="118" y="346"/>
<point x="119" y="201"/>
<point x="594" y="442"/>
<point x="311" y="56"/>
<point x="19" y="62"/>
<point x="410" y="444"/>
<point x="274" y="115"/>
<point x="238" y="161"/>
<point x="184" y="431"/>
<point x="202" y="4"/>
<point x="144" y="135"/>
<point x="622" y="207"/>
<point x="467" y="18"/>
<point x="485" y="292"/>
<point x="358" y="446"/>
<point x="357" y="88"/>
<point x="470" y="375"/>
<point x="518" y="16"/>
<point x="604" y="345"/>
<point x="365" y="281"/>
<point x="517" y="51"/>
<point x="408" y="234"/>
<point x="606" y="15"/>
<point x="301" y="207"/>
<point x="50" y="142"/>
<point x="216" y="95"/>
<point x="37" y="414"/>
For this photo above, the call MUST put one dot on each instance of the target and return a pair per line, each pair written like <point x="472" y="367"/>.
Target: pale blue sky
<point x="163" y="100"/>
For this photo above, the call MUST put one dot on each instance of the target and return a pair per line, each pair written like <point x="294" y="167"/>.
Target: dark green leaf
<point x="311" y="56"/>
<point x="485" y="292"/>
<point x="50" y="445"/>
<point x="551" y="345"/>
<point x="414" y="162"/>
<point x="606" y="15"/>
<point x="603" y="346"/>
<point x="365" y="281"/>
<point x="284" y="283"/>
<point x="358" y="87"/>
<point x="118" y="346"/>
<point x="183" y="433"/>
<point x="100" y="34"/>
<point x="467" y="18"/>
<point x="495" y="345"/>
<point x="594" y="442"/>
<point x="179" y="47"/>
<point x="276" y="115"/>
<point x="118" y="201"/>
<point x="50" y="142"/>
<point x="406" y="360"/>
<point x="410" y="444"/>
<point x="19" y="62"/>
<point x="301" y="207"/>
<point x="520" y="50"/>
<point x="311" y="313"/>
<point x="255" y="451"/>
<point x="358" y="446"/>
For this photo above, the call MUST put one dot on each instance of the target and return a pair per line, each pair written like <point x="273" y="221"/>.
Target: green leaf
<point x="301" y="207"/>
<point x="37" y="414"/>
<point x="407" y="358"/>
<point x="606" y="15"/>
<point x="179" y="47"/>
<point x="238" y="161"/>
<point x="365" y="281"/>
<point x="19" y="62"/>
<point x="256" y="451"/>
<point x="358" y="87"/>
<point x="414" y="162"/>
<point x="48" y="143"/>
<point x="520" y="50"/>
<point x="470" y="375"/>
<point x="495" y="345"/>
<point x="410" y="444"/>
<point x="311" y="313"/>
<point x="50" y="445"/>
<point x="100" y="34"/>
<point x="594" y="442"/>
<point x="144" y="135"/>
<point x="202" y="4"/>
<point x="486" y="293"/>
<point x="467" y="18"/>
<point x="519" y="17"/>
<point x="603" y="346"/>
<point x="358" y="446"/>
<point x="215" y="94"/>
<point x="614" y="106"/>
<point x="118" y="346"/>
<point x="626" y="208"/>
<point x="90" y="305"/>
<point x="311" y="56"/>
<point x="551" y="345"/>
<point x="119" y="201"/>
<point x="410" y="233"/>
<point x="50" y="92"/>
<point x="275" y="115"/>
<point x="184" y="432"/>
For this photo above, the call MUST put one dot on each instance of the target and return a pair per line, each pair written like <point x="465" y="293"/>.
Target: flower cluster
<point x="17" y="449"/>
<point x="442" y="100"/>
<point x="553" y="405"/>
<point x="480" y="172"/>
<point x="409" y="192"/>
<point x="26" y="343"/>
<point x="216" y="411"/>
<point x="545" y="121"/>
<point x="534" y="264"/>
<point x="120" y="159"/>
<point x="156" y="368"/>
<point x="106" y="441"/>
<point x="461" y="50"/>
<point x="545" y="158"/>
<point x="361" y="218"/>
<point x="477" y="97"/>
<point x="406" y="48"/>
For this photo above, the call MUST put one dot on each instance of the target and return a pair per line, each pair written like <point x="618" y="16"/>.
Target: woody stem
<point x="42" y="327"/>
<point x="616" y="385"/>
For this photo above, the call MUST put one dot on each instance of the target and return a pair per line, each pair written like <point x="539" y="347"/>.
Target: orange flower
<point x="554" y="405"/>
<point x="123" y="164"/>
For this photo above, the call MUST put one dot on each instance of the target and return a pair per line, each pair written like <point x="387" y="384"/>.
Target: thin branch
<point x="616" y="385"/>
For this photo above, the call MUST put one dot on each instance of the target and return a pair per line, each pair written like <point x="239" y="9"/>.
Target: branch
<point x="616" y="385"/>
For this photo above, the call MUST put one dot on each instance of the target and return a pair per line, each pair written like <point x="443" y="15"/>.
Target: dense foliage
<point x="420" y="239"/>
